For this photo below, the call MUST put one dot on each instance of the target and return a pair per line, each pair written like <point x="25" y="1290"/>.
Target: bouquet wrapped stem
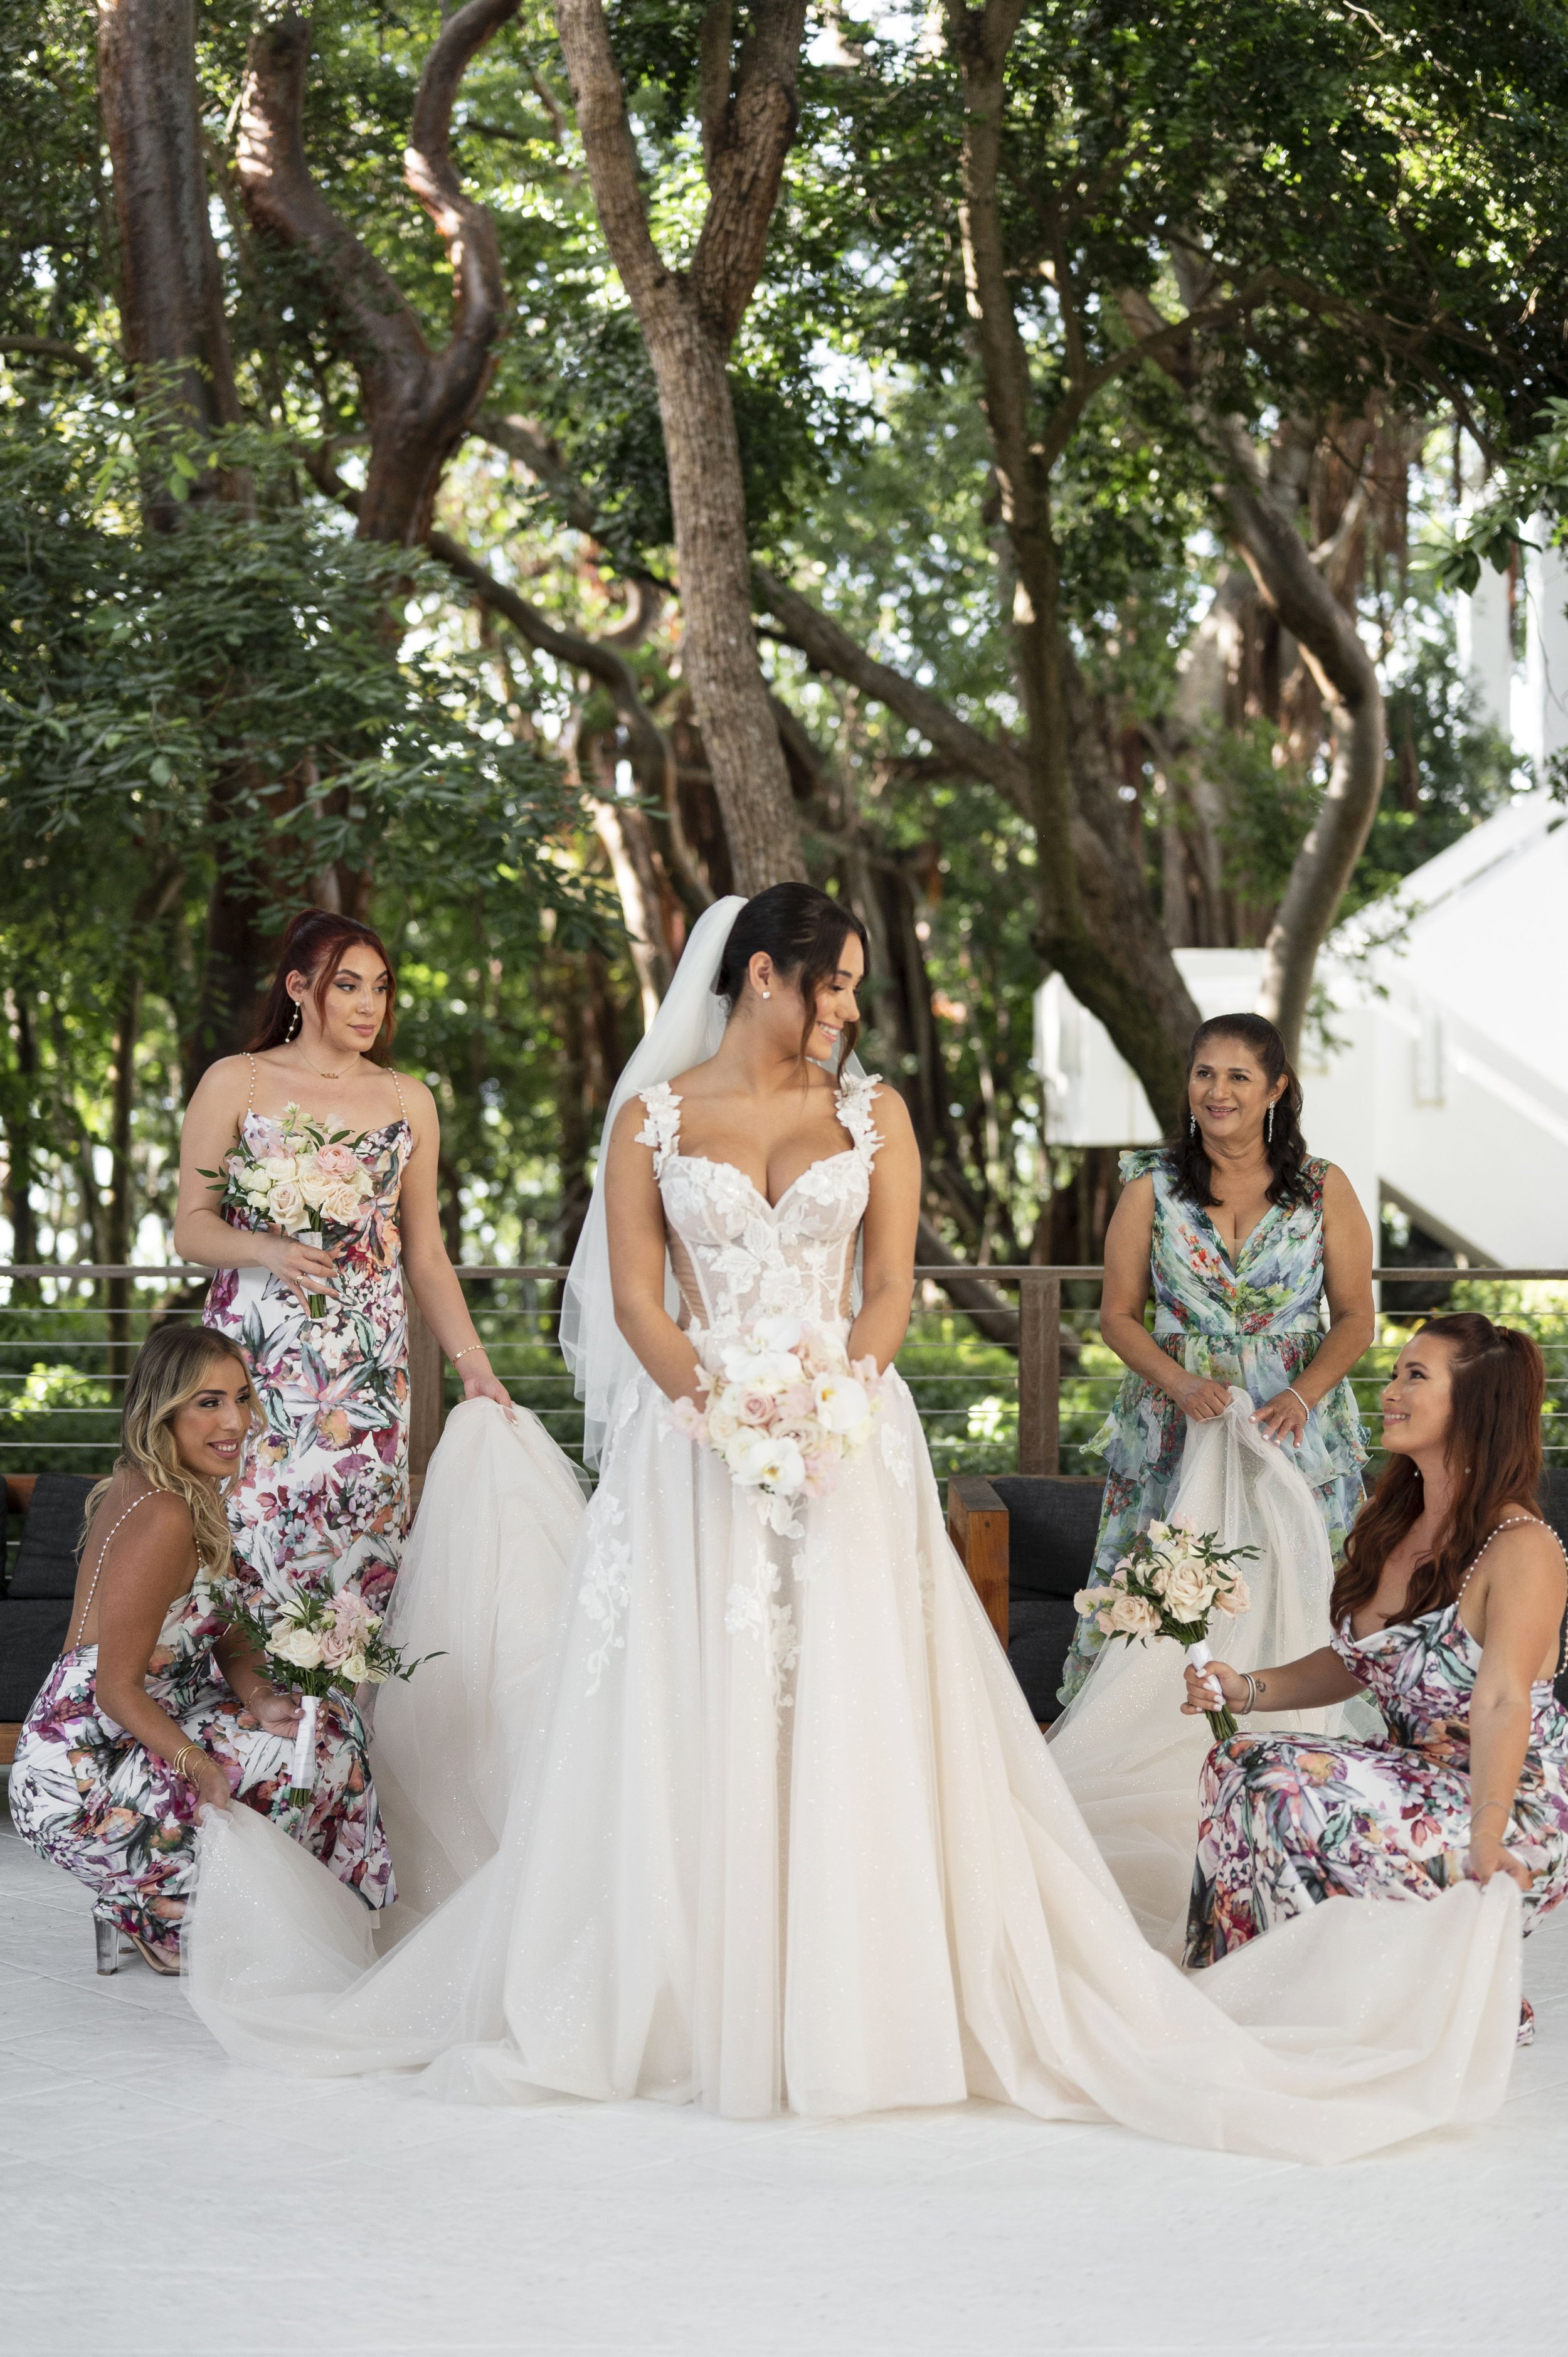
<point x="302" y="1766"/>
<point x="1223" y="1726"/>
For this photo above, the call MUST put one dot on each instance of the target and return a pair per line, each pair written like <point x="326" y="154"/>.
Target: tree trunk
<point x="688" y="319"/>
<point x="171" y="300"/>
<point x="719" y="652"/>
<point x="18" y="1195"/>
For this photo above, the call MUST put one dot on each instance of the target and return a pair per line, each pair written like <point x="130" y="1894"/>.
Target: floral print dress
<point x="325" y="1490"/>
<point x="93" y="1799"/>
<point x="1256" y="1324"/>
<point x="1287" y="1820"/>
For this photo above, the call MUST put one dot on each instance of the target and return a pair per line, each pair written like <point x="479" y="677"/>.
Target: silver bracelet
<point x="1252" y="1701"/>
<point x="466" y="1351"/>
<point x="1297" y="1395"/>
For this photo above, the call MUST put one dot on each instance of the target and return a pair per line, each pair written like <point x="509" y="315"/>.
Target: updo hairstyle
<point x="803" y="931"/>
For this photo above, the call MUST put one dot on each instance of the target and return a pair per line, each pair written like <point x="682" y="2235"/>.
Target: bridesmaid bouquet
<point x="787" y="1410"/>
<point x="326" y="1641"/>
<point x="1170" y="1583"/>
<point x="304" y="1177"/>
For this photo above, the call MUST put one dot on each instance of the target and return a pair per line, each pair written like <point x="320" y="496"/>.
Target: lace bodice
<point x="737" y="1257"/>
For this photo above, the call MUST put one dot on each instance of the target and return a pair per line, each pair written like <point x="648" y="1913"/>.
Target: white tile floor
<point x="154" y="2201"/>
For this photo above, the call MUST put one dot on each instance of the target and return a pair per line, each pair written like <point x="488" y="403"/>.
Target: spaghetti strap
<point x="398" y="1086"/>
<point x="98" y="1567"/>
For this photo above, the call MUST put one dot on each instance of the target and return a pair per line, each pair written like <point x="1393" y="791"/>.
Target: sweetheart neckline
<point x="844" y="1154"/>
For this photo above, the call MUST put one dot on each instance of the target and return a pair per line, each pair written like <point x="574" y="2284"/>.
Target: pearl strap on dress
<point x="1514" y="1523"/>
<point x="98" y="1567"/>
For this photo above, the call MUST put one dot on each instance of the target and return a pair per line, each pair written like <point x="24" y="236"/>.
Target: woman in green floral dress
<point x="1242" y="1235"/>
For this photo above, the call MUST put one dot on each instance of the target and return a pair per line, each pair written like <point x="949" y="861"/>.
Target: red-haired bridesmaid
<point x="326" y="1490"/>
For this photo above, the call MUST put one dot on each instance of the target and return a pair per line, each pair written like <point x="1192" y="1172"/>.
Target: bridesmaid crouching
<point x="1448" y="1610"/>
<point x="155" y="1708"/>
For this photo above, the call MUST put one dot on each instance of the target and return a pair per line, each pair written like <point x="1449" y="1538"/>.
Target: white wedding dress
<point x="699" y="1812"/>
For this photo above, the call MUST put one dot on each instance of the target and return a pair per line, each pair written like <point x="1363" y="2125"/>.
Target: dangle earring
<point x="1192" y="1124"/>
<point x="293" y="1031"/>
<point x="1269" y="1126"/>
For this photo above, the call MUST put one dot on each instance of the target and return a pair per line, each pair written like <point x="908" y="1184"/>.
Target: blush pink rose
<point x="337" y="1162"/>
<point x="756" y="1407"/>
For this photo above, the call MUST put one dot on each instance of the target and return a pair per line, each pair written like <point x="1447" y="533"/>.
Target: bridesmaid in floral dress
<point x="155" y="1707"/>
<point x="324" y="1491"/>
<point x="1448" y="1610"/>
<point x="1240" y="1233"/>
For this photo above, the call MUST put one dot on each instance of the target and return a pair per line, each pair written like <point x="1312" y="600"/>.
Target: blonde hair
<point x="172" y="1366"/>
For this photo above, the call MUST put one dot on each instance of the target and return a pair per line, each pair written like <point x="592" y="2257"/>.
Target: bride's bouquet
<point x="325" y="1639"/>
<point x="786" y="1411"/>
<point x="304" y="1177"/>
<point x="1170" y="1583"/>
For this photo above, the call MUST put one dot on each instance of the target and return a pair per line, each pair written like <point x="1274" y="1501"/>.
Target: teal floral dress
<point x="1255" y="1325"/>
<point x="93" y="1800"/>
<point x="325" y="1490"/>
<point x="1287" y="1820"/>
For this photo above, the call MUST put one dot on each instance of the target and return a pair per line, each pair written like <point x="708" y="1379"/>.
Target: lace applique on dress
<point x="605" y="1591"/>
<point x="857" y="1114"/>
<point x="661" y="1130"/>
<point x="755" y="1607"/>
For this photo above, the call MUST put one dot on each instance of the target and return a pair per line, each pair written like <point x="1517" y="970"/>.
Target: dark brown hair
<point x="803" y="931"/>
<point x="315" y="943"/>
<point x="1287" y="1149"/>
<point x="1493" y="1450"/>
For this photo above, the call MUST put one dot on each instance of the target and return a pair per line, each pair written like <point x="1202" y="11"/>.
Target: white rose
<point x="841" y="1403"/>
<point x="302" y="1647"/>
<point x="1132" y="1616"/>
<point x="257" y="1185"/>
<point x="339" y="1203"/>
<point x="315" y="1188"/>
<point x="281" y="1165"/>
<point x="1236" y="1598"/>
<point x="1188" y="1589"/>
<point x="722" y="1425"/>
<point x="287" y="1204"/>
<point x="355" y="1668"/>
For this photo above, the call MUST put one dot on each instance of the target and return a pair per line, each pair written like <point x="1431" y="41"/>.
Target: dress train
<point x="891" y="1898"/>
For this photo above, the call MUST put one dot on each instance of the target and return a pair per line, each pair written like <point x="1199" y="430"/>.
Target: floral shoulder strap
<point x="857" y="1112"/>
<point x="661" y="1130"/>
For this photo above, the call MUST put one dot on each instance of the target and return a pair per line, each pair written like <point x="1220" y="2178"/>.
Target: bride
<point x="695" y="1810"/>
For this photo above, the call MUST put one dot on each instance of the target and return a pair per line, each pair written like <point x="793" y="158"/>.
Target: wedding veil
<point x="685" y="1031"/>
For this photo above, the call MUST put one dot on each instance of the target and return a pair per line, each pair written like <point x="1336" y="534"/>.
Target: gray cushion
<point x="31" y="1636"/>
<point x="47" y="1558"/>
<point x="1052" y="1525"/>
<point x="1039" y="1630"/>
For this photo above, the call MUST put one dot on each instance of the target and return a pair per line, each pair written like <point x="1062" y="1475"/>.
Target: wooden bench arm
<point x="977" y="1525"/>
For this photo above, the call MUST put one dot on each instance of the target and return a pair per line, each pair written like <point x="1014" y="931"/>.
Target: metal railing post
<point x="1039" y="1370"/>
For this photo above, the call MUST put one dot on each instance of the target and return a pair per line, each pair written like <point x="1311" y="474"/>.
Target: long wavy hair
<point x="1493" y="1450"/>
<point x="1287" y="1149"/>
<point x="315" y="943"/>
<point x="803" y="931"/>
<point x="172" y="1366"/>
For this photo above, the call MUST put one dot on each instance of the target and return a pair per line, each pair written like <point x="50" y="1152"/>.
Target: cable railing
<point x="1017" y="1376"/>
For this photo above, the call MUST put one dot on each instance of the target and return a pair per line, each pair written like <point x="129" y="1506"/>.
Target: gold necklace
<point x="318" y="1069"/>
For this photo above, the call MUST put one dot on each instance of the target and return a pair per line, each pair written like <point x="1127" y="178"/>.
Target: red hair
<point x="1498" y="1388"/>
<point x="315" y="943"/>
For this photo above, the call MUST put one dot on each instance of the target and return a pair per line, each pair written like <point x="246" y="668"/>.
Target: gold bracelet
<point x="466" y="1351"/>
<point x="181" y="1756"/>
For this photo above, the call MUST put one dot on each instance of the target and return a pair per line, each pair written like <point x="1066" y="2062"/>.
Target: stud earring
<point x="768" y="994"/>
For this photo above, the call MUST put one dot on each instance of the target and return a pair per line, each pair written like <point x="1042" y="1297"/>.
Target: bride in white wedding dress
<point x="695" y="1811"/>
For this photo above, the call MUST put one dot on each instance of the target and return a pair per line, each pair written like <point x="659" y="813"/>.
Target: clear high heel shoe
<point x="106" y="1934"/>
